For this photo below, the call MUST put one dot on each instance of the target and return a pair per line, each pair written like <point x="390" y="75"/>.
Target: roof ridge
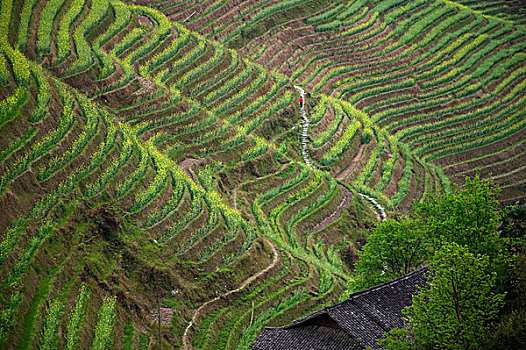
<point x="379" y="286"/>
<point x="326" y="309"/>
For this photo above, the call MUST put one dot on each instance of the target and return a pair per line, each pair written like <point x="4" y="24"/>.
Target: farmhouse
<point x="353" y="324"/>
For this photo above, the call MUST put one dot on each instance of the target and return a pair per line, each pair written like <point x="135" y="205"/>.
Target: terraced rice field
<point x="150" y="157"/>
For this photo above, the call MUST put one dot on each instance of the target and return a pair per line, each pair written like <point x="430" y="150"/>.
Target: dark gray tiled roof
<point x="353" y="324"/>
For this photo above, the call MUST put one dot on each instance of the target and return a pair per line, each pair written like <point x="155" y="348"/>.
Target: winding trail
<point x="305" y="130"/>
<point x="341" y="176"/>
<point x="243" y="285"/>
<point x="377" y="205"/>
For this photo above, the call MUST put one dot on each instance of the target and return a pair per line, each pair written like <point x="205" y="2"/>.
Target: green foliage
<point x="26" y="258"/>
<point x="393" y="249"/>
<point x="76" y="319"/>
<point x="91" y="127"/>
<point x="326" y="27"/>
<point x="64" y="29"/>
<point x="10" y="107"/>
<point x="49" y="339"/>
<point x="11" y="237"/>
<point x="45" y="27"/>
<point x="43" y="95"/>
<point x="367" y="135"/>
<point x="98" y="10"/>
<point x="455" y="308"/>
<point x="24" y="22"/>
<point x="7" y="315"/>
<point x="48" y="142"/>
<point x="470" y="217"/>
<point x="103" y="337"/>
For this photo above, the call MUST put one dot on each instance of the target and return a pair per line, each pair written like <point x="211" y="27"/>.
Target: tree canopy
<point x="394" y="249"/>
<point x="456" y="306"/>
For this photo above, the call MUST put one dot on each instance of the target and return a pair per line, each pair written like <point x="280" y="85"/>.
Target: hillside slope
<point x="444" y="77"/>
<point x="148" y="162"/>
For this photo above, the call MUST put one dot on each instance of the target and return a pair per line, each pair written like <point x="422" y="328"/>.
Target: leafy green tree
<point x="455" y="308"/>
<point x="394" y="249"/>
<point x="470" y="216"/>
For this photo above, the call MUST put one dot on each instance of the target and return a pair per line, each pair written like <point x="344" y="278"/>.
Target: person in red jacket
<point x="301" y="101"/>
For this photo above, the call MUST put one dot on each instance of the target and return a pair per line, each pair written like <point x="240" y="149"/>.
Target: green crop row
<point x="319" y="111"/>
<point x="19" y="64"/>
<point x="192" y="213"/>
<point x="11" y="238"/>
<point x="49" y="339"/>
<point x="189" y="57"/>
<point x="10" y="107"/>
<point x="329" y="133"/>
<point x="178" y="190"/>
<point x="376" y="90"/>
<point x="43" y="94"/>
<point x="76" y="318"/>
<point x="98" y="10"/>
<point x="403" y="184"/>
<point x="261" y="147"/>
<point x="280" y="6"/>
<point x="228" y="85"/>
<point x="217" y="4"/>
<point x="279" y="82"/>
<point x="17" y="144"/>
<point x="388" y="165"/>
<point x="356" y="18"/>
<point x="138" y="174"/>
<point x="360" y="27"/>
<point x="392" y="16"/>
<point x="330" y="26"/>
<point x="283" y="102"/>
<point x="212" y="224"/>
<point x="103" y="336"/>
<point x="501" y="88"/>
<point x="318" y="204"/>
<point x="88" y="132"/>
<point x="128" y="41"/>
<point x="325" y="15"/>
<point x="5" y="73"/>
<point x="343" y="143"/>
<point x="480" y="111"/>
<point x="121" y="19"/>
<point x="350" y="10"/>
<point x="45" y="25"/>
<point x="42" y="207"/>
<point x="149" y="125"/>
<point x="498" y="58"/>
<point x="275" y="191"/>
<point x="43" y="146"/>
<point x="64" y="29"/>
<point x="275" y="213"/>
<point x="183" y="36"/>
<point x="430" y="36"/>
<point x="234" y="60"/>
<point x="23" y="23"/>
<point x="94" y="188"/>
<point x="162" y="30"/>
<point x="7" y="315"/>
<point x="367" y="170"/>
<point x="461" y="132"/>
<point x="21" y="265"/>
<point x="477" y="139"/>
<point x="191" y="75"/>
